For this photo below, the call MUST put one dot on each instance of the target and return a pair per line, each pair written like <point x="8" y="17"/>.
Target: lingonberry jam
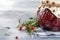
<point x="47" y="17"/>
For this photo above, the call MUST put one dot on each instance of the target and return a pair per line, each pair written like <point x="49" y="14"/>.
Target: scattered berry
<point x="16" y="37"/>
<point x="20" y="27"/>
<point x="31" y="27"/>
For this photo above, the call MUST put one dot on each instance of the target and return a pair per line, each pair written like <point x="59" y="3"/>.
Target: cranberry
<point x="16" y="37"/>
<point x="20" y="27"/>
<point x="31" y="27"/>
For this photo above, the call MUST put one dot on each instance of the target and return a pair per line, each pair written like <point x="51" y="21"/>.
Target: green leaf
<point x="28" y="30"/>
<point x="31" y="18"/>
<point x="8" y="27"/>
<point x="18" y="26"/>
<point x="19" y="20"/>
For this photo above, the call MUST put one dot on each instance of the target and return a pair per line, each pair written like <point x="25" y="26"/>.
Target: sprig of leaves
<point x="31" y="22"/>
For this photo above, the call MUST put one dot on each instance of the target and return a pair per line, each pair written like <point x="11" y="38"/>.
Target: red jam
<point x="47" y="20"/>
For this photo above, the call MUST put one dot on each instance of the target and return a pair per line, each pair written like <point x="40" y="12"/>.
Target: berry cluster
<point x="29" y="26"/>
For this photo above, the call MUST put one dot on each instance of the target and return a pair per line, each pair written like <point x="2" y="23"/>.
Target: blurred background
<point x="13" y="10"/>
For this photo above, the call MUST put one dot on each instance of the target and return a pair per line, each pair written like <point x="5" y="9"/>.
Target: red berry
<point x="31" y="27"/>
<point x="16" y="37"/>
<point x="20" y="27"/>
<point x="53" y="2"/>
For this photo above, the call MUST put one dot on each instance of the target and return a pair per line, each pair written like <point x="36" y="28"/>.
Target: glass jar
<point x="48" y="15"/>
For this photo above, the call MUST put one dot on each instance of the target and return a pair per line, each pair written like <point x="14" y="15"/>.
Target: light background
<point x="12" y="10"/>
